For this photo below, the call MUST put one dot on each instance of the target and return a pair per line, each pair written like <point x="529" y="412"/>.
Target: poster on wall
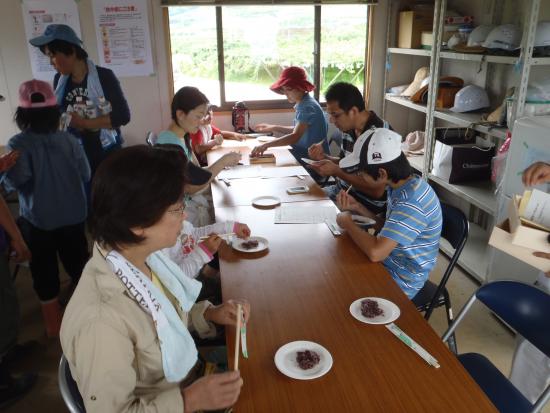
<point x="123" y="38"/>
<point x="37" y="15"/>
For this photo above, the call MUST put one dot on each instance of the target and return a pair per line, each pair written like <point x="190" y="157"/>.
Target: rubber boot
<point x="52" y="313"/>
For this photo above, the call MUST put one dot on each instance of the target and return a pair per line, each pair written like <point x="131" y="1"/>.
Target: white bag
<point x="442" y="160"/>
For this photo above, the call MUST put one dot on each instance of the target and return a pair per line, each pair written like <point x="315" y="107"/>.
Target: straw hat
<point x="420" y="75"/>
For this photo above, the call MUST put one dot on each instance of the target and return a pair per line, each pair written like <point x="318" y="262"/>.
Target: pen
<point x="413" y="345"/>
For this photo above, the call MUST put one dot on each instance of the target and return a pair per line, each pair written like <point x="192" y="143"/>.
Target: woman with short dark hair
<point x="125" y="332"/>
<point x="80" y="82"/>
<point x="189" y="106"/>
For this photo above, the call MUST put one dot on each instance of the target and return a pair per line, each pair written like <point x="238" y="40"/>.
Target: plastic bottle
<point x="104" y="106"/>
<point x="80" y="107"/>
<point x="65" y="119"/>
<point x="91" y="110"/>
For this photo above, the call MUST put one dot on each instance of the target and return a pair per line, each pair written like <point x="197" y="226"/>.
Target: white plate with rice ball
<point x="286" y="360"/>
<point x="390" y="312"/>
<point x="248" y="245"/>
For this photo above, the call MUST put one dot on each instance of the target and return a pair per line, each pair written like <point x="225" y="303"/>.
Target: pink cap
<point x="36" y="87"/>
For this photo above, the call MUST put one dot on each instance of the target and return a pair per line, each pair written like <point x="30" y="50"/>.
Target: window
<point x="234" y="53"/>
<point x="343" y="46"/>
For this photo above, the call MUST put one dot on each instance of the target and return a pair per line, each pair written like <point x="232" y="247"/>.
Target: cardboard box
<point x="524" y="235"/>
<point x="501" y="239"/>
<point x="520" y="241"/>
<point x="411" y="26"/>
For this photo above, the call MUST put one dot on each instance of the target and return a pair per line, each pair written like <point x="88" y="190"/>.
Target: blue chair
<point x="69" y="390"/>
<point x="526" y="309"/>
<point x="455" y="230"/>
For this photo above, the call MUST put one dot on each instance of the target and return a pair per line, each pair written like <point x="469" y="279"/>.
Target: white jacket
<point x="187" y="253"/>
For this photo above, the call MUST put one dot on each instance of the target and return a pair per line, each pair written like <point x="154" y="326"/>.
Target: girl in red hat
<point x="310" y="125"/>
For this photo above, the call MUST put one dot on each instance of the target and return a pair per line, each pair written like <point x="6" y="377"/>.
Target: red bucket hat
<point x="294" y="77"/>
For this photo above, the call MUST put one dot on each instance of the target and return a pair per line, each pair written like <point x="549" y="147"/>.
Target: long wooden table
<point x="242" y="191"/>
<point x="301" y="289"/>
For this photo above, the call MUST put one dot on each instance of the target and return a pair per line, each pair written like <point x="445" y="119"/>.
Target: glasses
<point x="180" y="210"/>
<point x="336" y="115"/>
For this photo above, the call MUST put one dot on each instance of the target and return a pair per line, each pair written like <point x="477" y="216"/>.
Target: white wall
<point x="149" y="96"/>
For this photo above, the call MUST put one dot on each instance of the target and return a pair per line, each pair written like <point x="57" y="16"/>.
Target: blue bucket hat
<point x="56" y="32"/>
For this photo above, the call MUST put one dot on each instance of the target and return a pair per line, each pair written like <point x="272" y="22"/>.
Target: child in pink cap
<point x="49" y="177"/>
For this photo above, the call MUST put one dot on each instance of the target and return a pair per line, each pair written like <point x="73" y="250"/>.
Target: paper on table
<point x="535" y="207"/>
<point x="241" y="171"/>
<point x="292" y="214"/>
<point x="283" y="171"/>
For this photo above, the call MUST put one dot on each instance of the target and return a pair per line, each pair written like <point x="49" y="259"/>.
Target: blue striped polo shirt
<point x="413" y="220"/>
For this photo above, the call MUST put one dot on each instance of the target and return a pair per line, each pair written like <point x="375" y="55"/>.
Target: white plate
<point x="262" y="244"/>
<point x="265" y="138"/>
<point x="391" y="311"/>
<point x="285" y="360"/>
<point x="266" y="201"/>
<point x="308" y="161"/>
<point x="361" y="220"/>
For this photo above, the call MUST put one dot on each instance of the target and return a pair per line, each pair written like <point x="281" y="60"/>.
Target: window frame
<point x="265" y="104"/>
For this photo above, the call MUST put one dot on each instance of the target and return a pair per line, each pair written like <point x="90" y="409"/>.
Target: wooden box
<point x="265" y="158"/>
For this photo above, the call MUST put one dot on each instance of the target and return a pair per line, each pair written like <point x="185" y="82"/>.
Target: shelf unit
<point x="459" y="119"/>
<point x="473" y="258"/>
<point x="471" y="57"/>
<point x="479" y="195"/>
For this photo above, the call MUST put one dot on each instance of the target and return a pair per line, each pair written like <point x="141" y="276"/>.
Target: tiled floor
<point x="480" y="333"/>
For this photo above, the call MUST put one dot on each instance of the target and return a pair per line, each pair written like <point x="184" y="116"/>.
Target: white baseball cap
<point x="383" y="146"/>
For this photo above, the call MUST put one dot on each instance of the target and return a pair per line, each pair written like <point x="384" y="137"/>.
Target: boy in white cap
<point x="408" y="241"/>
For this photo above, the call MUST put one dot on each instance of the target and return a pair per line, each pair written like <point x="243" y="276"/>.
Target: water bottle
<point x="80" y="107"/>
<point x="104" y="106"/>
<point x="108" y="137"/>
<point x="91" y="110"/>
<point x="65" y="119"/>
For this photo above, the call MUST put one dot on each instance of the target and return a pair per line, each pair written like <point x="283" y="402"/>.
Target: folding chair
<point x="151" y="138"/>
<point x="526" y="309"/>
<point x="455" y="230"/>
<point x="69" y="390"/>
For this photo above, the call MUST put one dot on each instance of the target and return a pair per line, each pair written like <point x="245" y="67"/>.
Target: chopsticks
<point x="413" y="345"/>
<point x="219" y="235"/>
<point x="238" y="337"/>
